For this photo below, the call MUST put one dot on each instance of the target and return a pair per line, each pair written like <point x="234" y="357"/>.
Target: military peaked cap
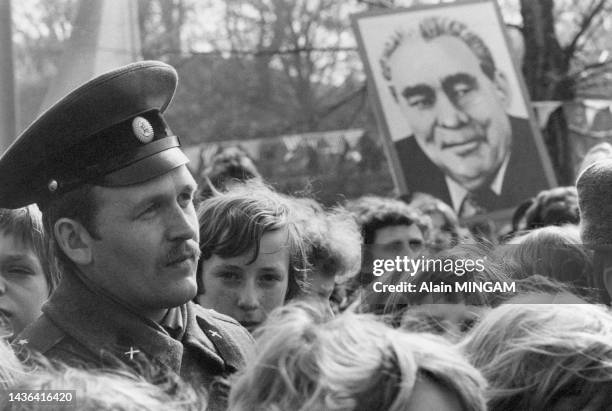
<point x="108" y="132"/>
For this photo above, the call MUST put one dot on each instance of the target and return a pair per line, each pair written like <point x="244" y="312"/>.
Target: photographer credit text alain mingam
<point x="458" y="267"/>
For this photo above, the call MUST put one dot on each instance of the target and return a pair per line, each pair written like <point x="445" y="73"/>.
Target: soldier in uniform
<point x="117" y="199"/>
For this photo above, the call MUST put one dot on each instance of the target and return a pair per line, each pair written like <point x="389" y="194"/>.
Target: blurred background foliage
<point x="264" y="68"/>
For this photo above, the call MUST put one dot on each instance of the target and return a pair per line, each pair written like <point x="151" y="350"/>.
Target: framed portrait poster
<point x="452" y="106"/>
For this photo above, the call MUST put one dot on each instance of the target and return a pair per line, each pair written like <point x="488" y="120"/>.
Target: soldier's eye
<point x="19" y="270"/>
<point x="185" y="199"/>
<point x="150" y="210"/>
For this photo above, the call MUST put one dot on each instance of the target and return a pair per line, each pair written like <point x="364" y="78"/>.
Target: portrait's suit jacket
<point x="524" y="175"/>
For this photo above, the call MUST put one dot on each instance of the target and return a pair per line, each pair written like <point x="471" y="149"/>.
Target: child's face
<point x="244" y="289"/>
<point x="23" y="286"/>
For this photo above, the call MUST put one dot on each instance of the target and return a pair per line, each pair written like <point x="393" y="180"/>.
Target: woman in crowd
<point x="352" y="362"/>
<point x="544" y="356"/>
<point x="253" y="253"/>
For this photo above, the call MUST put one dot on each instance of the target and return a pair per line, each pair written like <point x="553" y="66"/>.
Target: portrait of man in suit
<point x="465" y="147"/>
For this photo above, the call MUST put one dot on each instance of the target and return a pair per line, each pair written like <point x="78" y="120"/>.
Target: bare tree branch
<point x="378" y="3"/>
<point x="591" y="70"/>
<point x="321" y="114"/>
<point x="267" y="52"/>
<point x="584" y="26"/>
<point x="333" y="107"/>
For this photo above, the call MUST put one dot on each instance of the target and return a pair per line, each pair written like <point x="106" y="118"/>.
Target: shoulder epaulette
<point x="40" y="336"/>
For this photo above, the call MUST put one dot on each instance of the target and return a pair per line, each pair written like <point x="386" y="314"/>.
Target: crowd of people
<point x="127" y="285"/>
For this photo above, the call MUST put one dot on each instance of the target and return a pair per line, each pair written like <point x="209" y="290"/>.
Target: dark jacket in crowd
<point x="84" y="328"/>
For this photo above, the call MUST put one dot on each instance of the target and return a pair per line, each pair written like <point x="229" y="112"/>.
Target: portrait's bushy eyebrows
<point x="448" y="86"/>
<point x="420" y="90"/>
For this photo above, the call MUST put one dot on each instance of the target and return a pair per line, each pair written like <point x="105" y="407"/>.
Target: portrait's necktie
<point x="478" y="202"/>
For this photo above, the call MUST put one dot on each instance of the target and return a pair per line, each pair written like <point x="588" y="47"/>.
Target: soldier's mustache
<point x="186" y="250"/>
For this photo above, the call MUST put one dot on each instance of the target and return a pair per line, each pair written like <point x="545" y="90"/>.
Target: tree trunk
<point x="545" y="66"/>
<point x="545" y="69"/>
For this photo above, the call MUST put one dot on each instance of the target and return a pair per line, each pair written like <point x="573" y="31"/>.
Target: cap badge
<point x="52" y="185"/>
<point x="142" y="129"/>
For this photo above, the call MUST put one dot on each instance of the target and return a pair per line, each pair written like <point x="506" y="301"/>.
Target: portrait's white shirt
<point x="458" y="192"/>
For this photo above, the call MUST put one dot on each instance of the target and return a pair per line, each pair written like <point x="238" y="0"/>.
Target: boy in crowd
<point x="27" y="271"/>
<point x="390" y="228"/>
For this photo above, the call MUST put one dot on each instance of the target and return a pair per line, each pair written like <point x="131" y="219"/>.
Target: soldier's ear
<point x="74" y="240"/>
<point x="502" y="88"/>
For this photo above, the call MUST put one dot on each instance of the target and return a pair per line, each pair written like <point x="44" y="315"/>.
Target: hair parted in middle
<point x="308" y="362"/>
<point x="233" y="223"/>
